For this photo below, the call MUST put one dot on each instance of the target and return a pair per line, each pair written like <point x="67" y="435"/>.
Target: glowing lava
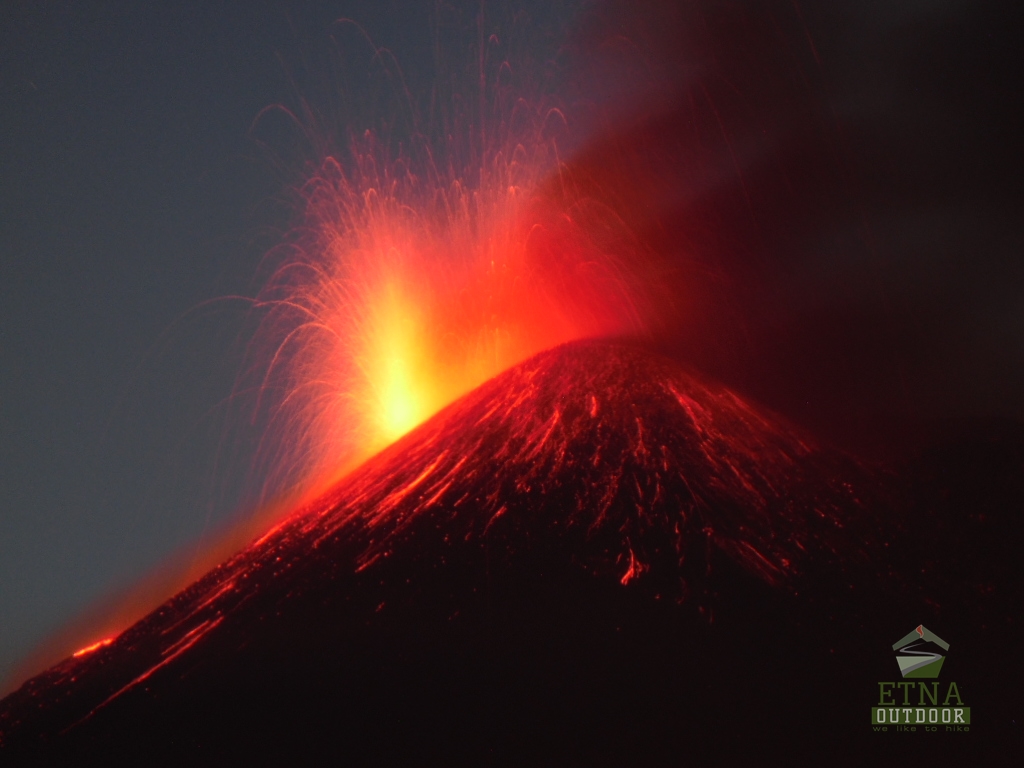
<point x="94" y="647"/>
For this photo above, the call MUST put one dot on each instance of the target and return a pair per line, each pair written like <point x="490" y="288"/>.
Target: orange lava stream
<point x="94" y="647"/>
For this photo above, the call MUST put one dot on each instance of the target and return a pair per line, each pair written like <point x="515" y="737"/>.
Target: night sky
<point x="879" y="290"/>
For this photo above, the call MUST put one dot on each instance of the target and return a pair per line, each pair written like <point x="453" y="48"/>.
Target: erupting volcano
<point x="526" y="536"/>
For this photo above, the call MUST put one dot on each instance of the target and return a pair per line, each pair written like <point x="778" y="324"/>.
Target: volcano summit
<point x="594" y="557"/>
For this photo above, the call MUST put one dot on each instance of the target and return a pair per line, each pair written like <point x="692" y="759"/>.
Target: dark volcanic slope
<point x="532" y="573"/>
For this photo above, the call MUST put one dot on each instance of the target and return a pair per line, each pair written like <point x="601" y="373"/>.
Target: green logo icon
<point x="921" y="653"/>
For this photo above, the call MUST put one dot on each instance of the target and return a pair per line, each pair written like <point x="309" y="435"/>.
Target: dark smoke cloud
<point x="837" y="190"/>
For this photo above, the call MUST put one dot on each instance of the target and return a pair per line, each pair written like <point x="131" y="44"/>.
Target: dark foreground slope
<point x="592" y="559"/>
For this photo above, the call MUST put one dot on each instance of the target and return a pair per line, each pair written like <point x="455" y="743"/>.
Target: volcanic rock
<point x="594" y="558"/>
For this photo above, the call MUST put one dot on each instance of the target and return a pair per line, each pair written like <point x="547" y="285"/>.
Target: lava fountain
<point x="421" y="268"/>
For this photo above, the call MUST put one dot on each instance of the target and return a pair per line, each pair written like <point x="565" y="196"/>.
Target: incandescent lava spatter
<point x="593" y="558"/>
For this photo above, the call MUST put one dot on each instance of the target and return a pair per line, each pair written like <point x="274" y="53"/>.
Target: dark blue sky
<point x="132" y="190"/>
